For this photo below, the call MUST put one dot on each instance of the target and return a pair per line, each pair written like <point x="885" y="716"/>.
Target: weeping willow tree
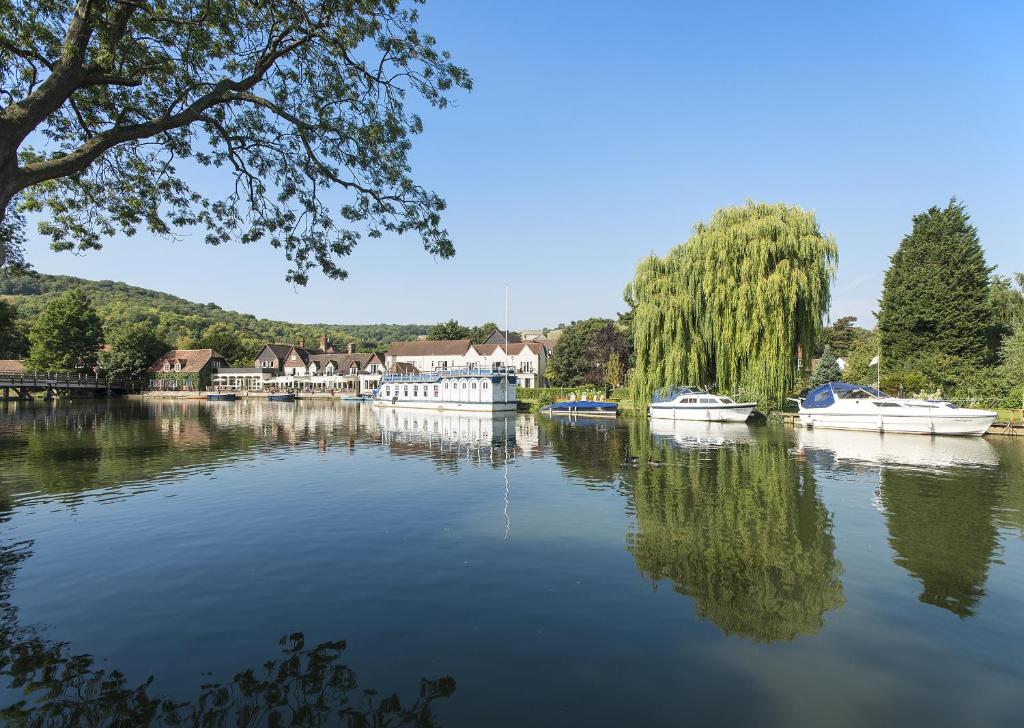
<point x="730" y="307"/>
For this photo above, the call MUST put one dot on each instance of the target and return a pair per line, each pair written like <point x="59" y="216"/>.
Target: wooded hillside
<point x="181" y="322"/>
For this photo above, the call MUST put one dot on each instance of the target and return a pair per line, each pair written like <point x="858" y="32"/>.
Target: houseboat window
<point x="706" y="400"/>
<point x="727" y="400"/>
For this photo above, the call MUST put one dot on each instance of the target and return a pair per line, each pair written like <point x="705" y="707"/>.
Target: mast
<point x="505" y="387"/>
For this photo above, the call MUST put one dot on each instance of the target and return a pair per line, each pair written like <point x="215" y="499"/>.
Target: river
<point x="328" y="563"/>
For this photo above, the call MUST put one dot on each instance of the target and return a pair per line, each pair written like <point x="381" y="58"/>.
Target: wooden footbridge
<point x="21" y="385"/>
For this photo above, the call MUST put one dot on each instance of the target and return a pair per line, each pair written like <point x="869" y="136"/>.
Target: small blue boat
<point x="281" y="397"/>
<point x="221" y="397"/>
<point x="583" y="408"/>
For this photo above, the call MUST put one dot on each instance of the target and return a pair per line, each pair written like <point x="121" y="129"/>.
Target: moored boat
<point x="842" y="406"/>
<point x="480" y="390"/>
<point x="220" y="397"/>
<point x="281" y="397"/>
<point x="582" y="408"/>
<point x="691" y="403"/>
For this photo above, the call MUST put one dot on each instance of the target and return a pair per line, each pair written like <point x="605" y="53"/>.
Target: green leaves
<point x="66" y="336"/>
<point x="732" y="306"/>
<point x="936" y="298"/>
<point x="303" y="104"/>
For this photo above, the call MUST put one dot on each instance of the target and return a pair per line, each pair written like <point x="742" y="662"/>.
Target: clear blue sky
<point x="600" y="132"/>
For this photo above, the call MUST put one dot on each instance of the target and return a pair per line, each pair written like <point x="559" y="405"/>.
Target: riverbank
<point x="240" y="394"/>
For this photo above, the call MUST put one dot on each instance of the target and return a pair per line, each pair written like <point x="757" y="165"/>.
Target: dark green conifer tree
<point x="827" y="370"/>
<point x="935" y="299"/>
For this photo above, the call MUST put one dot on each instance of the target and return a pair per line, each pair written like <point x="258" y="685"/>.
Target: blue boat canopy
<point x="825" y="395"/>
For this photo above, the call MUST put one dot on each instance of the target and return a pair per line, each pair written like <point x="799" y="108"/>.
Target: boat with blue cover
<point x="220" y="397"/>
<point x="582" y="408"/>
<point x="281" y="397"/>
<point x="842" y="406"/>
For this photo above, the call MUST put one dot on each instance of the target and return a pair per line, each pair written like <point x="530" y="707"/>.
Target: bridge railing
<point x="62" y="379"/>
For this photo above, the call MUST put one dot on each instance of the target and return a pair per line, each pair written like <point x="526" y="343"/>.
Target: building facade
<point x="528" y="358"/>
<point x="185" y="370"/>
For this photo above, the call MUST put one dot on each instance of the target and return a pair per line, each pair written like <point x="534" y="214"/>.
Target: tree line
<point x="740" y="307"/>
<point x="62" y="322"/>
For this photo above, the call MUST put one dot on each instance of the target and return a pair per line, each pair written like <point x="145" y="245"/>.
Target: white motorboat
<point x="842" y="406"/>
<point x="689" y="403"/>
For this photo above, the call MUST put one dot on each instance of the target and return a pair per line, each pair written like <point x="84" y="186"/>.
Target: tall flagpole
<point x="506" y="343"/>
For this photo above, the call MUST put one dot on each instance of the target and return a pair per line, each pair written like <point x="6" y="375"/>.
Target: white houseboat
<point x="479" y="390"/>
<point x="842" y="406"/>
<point x="689" y="403"/>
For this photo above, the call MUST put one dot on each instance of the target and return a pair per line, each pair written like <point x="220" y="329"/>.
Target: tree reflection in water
<point x="740" y="529"/>
<point x="304" y="686"/>
<point x="942" y="530"/>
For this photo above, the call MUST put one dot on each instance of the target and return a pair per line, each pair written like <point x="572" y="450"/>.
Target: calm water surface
<point x="328" y="562"/>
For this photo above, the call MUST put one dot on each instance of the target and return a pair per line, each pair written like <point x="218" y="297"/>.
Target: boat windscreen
<point x="825" y="395"/>
<point x="672" y="394"/>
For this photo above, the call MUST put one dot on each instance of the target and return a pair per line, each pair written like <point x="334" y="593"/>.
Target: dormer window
<point x="167" y="366"/>
<point x="177" y="366"/>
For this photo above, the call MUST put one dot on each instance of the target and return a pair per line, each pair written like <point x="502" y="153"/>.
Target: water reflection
<point x="899" y="451"/>
<point x="741" y="530"/>
<point x="301" y="686"/>
<point x="940" y="515"/>
<point x="475" y="436"/>
<point x="702" y="434"/>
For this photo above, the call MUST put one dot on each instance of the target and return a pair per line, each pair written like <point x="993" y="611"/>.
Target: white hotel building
<point x="528" y="358"/>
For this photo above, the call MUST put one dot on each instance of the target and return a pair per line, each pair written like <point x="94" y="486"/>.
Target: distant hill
<point x="181" y="322"/>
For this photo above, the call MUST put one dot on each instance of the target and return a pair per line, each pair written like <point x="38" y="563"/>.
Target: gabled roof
<point x="280" y="350"/>
<point x="515" y="349"/>
<point x="192" y="360"/>
<point x="403" y="367"/>
<point x="11" y="365"/>
<point x="344" y="362"/>
<point x="429" y="348"/>
<point x="497" y="336"/>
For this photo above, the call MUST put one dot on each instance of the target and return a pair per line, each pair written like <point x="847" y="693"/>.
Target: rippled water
<point x="186" y="562"/>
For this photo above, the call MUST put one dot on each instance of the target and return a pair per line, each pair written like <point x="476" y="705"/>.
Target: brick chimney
<point x="350" y="347"/>
<point x="302" y="342"/>
<point x="323" y="342"/>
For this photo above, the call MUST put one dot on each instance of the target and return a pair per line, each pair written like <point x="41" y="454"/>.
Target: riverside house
<point x="294" y="367"/>
<point x="528" y="358"/>
<point x="185" y="369"/>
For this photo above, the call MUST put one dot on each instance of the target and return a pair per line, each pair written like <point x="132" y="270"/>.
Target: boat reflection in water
<point x="941" y="517"/>
<point x="899" y="450"/>
<point x="472" y="434"/>
<point x="690" y="433"/>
